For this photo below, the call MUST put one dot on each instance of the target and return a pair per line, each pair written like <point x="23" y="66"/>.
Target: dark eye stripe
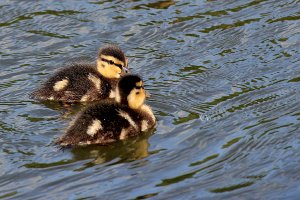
<point x="112" y="63"/>
<point x="139" y="87"/>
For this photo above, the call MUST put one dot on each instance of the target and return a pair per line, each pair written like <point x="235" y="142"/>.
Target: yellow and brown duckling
<point x="82" y="82"/>
<point x="107" y="122"/>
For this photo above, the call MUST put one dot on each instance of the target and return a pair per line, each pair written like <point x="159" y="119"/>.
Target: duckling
<point x="80" y="82"/>
<point x="107" y="122"/>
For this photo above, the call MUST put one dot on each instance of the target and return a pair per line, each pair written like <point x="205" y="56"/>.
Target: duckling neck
<point x="145" y="108"/>
<point x="134" y="106"/>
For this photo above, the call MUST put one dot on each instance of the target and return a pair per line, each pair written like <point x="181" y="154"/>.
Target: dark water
<point x="224" y="78"/>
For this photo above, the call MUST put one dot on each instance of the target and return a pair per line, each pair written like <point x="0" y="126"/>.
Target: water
<point x="224" y="78"/>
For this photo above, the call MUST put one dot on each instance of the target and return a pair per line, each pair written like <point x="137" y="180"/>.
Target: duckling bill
<point x="107" y="122"/>
<point x="80" y="82"/>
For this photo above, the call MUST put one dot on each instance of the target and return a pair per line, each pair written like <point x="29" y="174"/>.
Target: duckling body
<point x="76" y="83"/>
<point x="107" y="122"/>
<point x="80" y="82"/>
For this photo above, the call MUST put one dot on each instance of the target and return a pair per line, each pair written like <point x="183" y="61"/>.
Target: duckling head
<point x="112" y="62"/>
<point x="130" y="91"/>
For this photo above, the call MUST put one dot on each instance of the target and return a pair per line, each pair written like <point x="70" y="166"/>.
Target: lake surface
<point x="225" y="83"/>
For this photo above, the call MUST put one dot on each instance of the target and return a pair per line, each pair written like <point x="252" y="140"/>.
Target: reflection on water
<point x="224" y="84"/>
<point x="125" y="151"/>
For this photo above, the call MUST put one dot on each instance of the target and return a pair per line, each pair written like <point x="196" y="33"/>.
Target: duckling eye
<point x="111" y="62"/>
<point x="139" y="87"/>
<point x="118" y="65"/>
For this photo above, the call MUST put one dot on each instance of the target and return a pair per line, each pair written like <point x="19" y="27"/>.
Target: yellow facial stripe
<point x="139" y="84"/>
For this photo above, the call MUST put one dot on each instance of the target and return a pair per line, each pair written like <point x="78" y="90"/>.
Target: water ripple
<point x="224" y="79"/>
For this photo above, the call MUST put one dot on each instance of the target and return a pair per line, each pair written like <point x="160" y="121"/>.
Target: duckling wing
<point x="73" y="84"/>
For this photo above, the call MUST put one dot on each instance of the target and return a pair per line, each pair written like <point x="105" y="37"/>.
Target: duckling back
<point x="75" y="83"/>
